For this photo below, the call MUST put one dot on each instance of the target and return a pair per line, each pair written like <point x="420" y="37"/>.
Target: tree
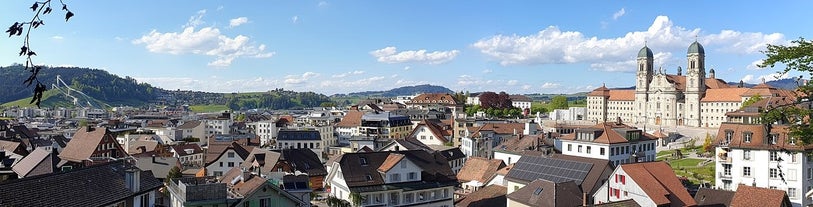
<point x="327" y="104"/>
<point x="175" y="172"/>
<point x="539" y="108"/>
<point x="753" y="99"/>
<point x="40" y="9"/>
<point x="488" y="100"/>
<point x="558" y="102"/>
<point x="796" y="57"/>
<point x="356" y="199"/>
<point x="707" y="147"/>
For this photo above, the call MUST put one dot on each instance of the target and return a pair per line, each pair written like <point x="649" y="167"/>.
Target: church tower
<point x="695" y="83"/>
<point x="644" y="74"/>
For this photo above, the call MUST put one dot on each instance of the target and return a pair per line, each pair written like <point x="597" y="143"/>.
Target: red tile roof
<point x="759" y="197"/>
<point x="659" y="182"/>
<point x="351" y="119"/>
<point x="622" y="95"/>
<point x="724" y="95"/>
<point x="390" y="162"/>
<point x="479" y="169"/>
<point x="433" y="98"/>
<point x="608" y="135"/>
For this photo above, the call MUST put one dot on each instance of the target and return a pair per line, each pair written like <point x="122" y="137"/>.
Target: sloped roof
<point x="433" y="128"/>
<point x="608" y="135"/>
<point x="759" y="137"/>
<point x="489" y="196"/>
<point x="433" y="98"/>
<point x="520" y="98"/>
<point x="160" y="166"/>
<point x="304" y="160"/>
<point x="83" y="144"/>
<point x="262" y="159"/>
<point x="724" y="95"/>
<point x="587" y="172"/>
<point x="190" y="125"/>
<point x="351" y="119"/>
<point x="391" y="161"/>
<point x="755" y="196"/>
<point x="217" y="150"/>
<point x="149" y="146"/>
<point x="622" y="95"/>
<point x="709" y="197"/>
<point x="100" y="185"/>
<point x="435" y="168"/>
<point x="600" y="91"/>
<point x="501" y="128"/>
<point x="181" y="149"/>
<point x="479" y="169"/>
<point x="659" y="182"/>
<point x="548" y="194"/>
<point x="39" y="162"/>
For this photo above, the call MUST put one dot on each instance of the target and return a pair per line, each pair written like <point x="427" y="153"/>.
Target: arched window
<point x="642" y="67"/>
<point x="692" y="63"/>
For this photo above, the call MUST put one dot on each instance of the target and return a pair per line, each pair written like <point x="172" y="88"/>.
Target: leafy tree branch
<point x="40" y="8"/>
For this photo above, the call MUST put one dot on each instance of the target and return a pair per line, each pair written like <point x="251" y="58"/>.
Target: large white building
<point x="694" y="99"/>
<point x="611" y="141"/>
<point x="751" y="154"/>
<point x="301" y="139"/>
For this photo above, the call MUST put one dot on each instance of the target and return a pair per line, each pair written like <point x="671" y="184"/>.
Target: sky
<point x="331" y="47"/>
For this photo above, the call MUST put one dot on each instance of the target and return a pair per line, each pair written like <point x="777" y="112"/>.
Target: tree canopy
<point x="558" y="102"/>
<point x="796" y="57"/>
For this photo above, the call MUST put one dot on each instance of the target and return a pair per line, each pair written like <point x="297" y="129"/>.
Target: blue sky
<point x="347" y="46"/>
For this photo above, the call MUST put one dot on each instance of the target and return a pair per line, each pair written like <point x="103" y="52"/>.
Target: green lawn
<point x="208" y="108"/>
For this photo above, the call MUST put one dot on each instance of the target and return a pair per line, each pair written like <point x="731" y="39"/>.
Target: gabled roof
<point x="755" y="196"/>
<point x="433" y="128"/>
<point x="479" y="169"/>
<point x="502" y="128"/>
<point x="586" y="172"/>
<point x="303" y="160"/>
<point x="149" y="146"/>
<point x="434" y="167"/>
<point x="433" y="98"/>
<point x="659" y="182"/>
<point x="100" y="185"/>
<point x="84" y="143"/>
<point x="160" y="166"/>
<point x="724" y="95"/>
<point x="261" y="159"/>
<point x="759" y="137"/>
<point x="489" y="196"/>
<point x="608" y="134"/>
<point x="600" y="91"/>
<point x="391" y="161"/>
<point x="622" y="95"/>
<point x="548" y="194"/>
<point x="39" y="162"/>
<point x="351" y="119"/>
<point x="217" y="150"/>
<point x="181" y="149"/>
<point x="520" y="98"/>
<point x="190" y="125"/>
<point x="525" y="142"/>
<point x="708" y="197"/>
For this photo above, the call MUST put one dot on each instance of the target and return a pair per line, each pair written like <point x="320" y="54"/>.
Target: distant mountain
<point x="787" y="83"/>
<point x="103" y="89"/>
<point x="402" y="91"/>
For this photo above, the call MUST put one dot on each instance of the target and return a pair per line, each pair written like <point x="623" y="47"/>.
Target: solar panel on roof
<point x="555" y="170"/>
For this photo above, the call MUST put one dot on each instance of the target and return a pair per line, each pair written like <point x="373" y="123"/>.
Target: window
<point x="580" y="148"/>
<point x="809" y="173"/>
<point x="746" y="171"/>
<point x="403" y="165"/>
<point x="569" y="147"/>
<point x="378" y="198"/>
<point x="445" y="193"/>
<point x="746" y="137"/>
<point x="423" y="137"/>
<point x="231" y="164"/>
<point x="623" y="179"/>
<point x="612" y="151"/>
<point x="774" y="156"/>
<point x="601" y="151"/>
<point x="363" y="161"/>
<point x="231" y="154"/>
<point x="411" y="176"/>
<point x="793" y="157"/>
<point x="421" y="196"/>
<point x="265" y="202"/>
<point x="395" y="177"/>
<point x="774" y="138"/>
<point x="774" y="173"/>
<point x="408" y="198"/>
<point x="588" y="150"/>
<point x="145" y="200"/>
<point x="221" y="164"/>
<point x="368" y="177"/>
<point x="728" y="135"/>
<point x="792" y="193"/>
<point x="746" y="154"/>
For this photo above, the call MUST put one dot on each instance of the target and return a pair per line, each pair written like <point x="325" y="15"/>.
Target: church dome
<point x="645" y="53"/>
<point x="696" y="48"/>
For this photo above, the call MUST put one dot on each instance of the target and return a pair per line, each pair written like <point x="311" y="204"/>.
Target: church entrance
<point x="680" y="122"/>
<point x="658" y="120"/>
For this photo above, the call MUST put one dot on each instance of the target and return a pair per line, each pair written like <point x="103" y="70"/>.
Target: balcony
<point x="724" y="176"/>
<point x="724" y="158"/>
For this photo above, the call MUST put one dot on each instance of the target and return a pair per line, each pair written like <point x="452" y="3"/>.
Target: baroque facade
<point x="695" y="99"/>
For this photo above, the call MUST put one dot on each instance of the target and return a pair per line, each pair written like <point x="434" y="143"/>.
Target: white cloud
<point x="322" y="4"/>
<point x="548" y="85"/>
<point x="754" y="65"/>
<point x="526" y="87"/>
<point x="553" y="46"/>
<point x="763" y="78"/>
<point x="238" y="21"/>
<point x="512" y="82"/>
<point x="342" y="75"/>
<point x="195" y="20"/>
<point x="204" y="41"/>
<point x="487" y="71"/>
<point x="619" y="14"/>
<point x="295" y="19"/>
<point x="391" y="55"/>
<point x="212" y="84"/>
<point x="406" y="67"/>
<point x="57" y="37"/>
<point x="219" y="8"/>
<point x="299" y="79"/>
<point x="117" y="38"/>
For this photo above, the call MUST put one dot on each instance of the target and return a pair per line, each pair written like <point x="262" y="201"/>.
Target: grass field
<point x="692" y="168"/>
<point x="580" y="103"/>
<point x="208" y="108"/>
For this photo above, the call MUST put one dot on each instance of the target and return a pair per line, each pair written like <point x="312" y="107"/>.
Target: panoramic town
<point x="643" y="113"/>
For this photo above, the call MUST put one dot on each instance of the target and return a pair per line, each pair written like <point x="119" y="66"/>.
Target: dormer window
<point x="728" y="135"/>
<point x="363" y="161"/>
<point x="792" y="140"/>
<point x="368" y="177"/>
<point x="774" y="138"/>
<point x="746" y="137"/>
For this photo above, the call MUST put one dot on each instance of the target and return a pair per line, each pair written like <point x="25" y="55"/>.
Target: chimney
<point x="246" y="174"/>
<point x="89" y="128"/>
<point x="153" y="158"/>
<point x="132" y="179"/>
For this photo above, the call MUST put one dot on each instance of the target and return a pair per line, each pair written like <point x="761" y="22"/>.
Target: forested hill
<point x="113" y="90"/>
<point x="403" y="91"/>
<point x="99" y="84"/>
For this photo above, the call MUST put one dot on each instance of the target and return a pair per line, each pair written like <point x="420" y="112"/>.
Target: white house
<point x="188" y="154"/>
<point x="393" y="179"/>
<point x="611" y="141"/>
<point x="301" y="139"/>
<point x="266" y="130"/>
<point x="647" y="183"/>
<point x="569" y="114"/>
<point x="232" y="155"/>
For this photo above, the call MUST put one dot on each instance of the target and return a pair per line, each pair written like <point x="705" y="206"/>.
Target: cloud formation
<point x="553" y="46"/>
<point x="238" y="21"/>
<point x="619" y="14"/>
<point x="342" y="75"/>
<point x="204" y="41"/>
<point x="763" y="78"/>
<point x="299" y="79"/>
<point x="391" y="55"/>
